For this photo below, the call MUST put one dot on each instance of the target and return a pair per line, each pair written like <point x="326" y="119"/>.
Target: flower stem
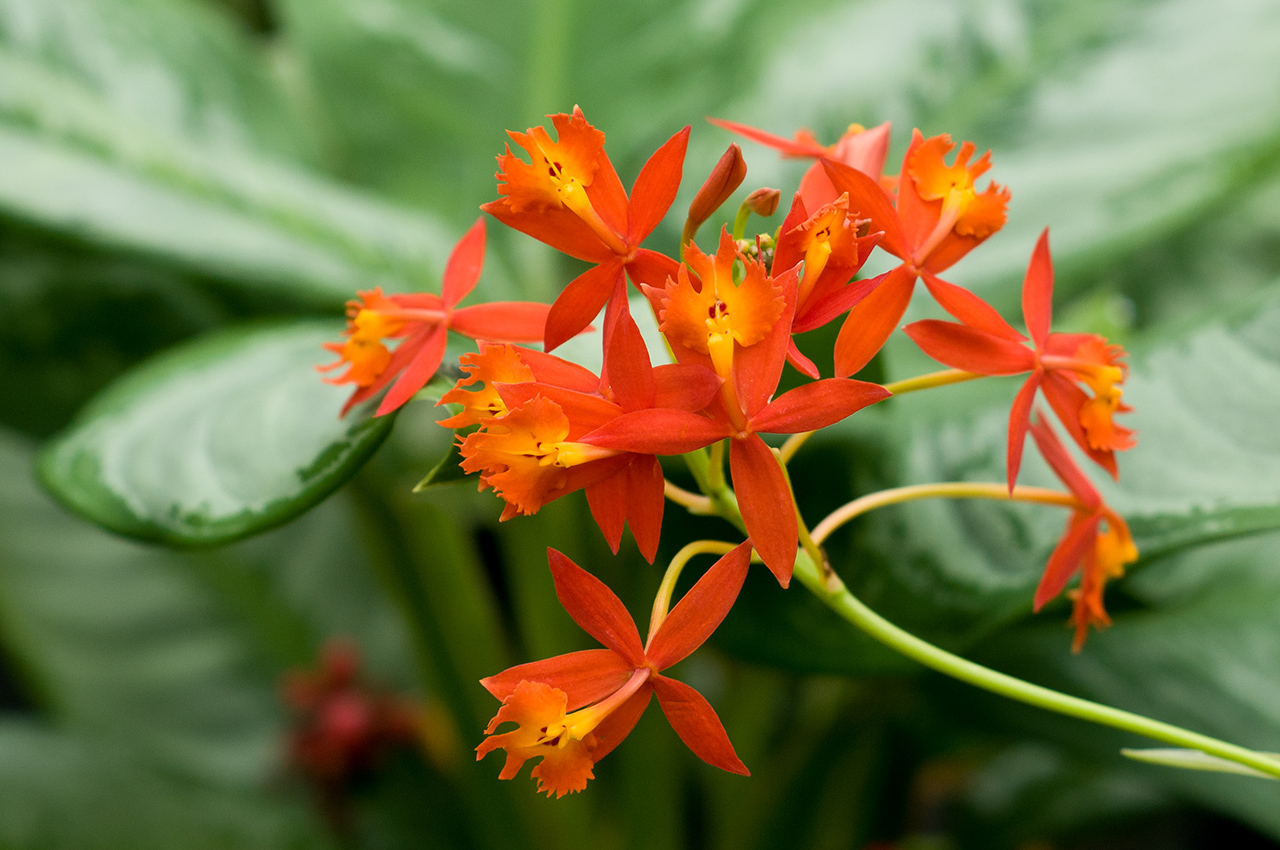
<point x="831" y="590"/>
<point x="906" y="385"/>
<point x="946" y="490"/>
<point x="692" y="502"/>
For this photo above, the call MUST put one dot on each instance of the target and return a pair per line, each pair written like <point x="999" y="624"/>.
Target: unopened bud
<point x="724" y="179"/>
<point x="763" y="201"/>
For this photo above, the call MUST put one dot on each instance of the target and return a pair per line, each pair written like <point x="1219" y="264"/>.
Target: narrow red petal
<point x="868" y="200"/>
<point x="684" y="387"/>
<point x="1056" y="455"/>
<point x="765" y="501"/>
<point x="580" y="302"/>
<point x="1037" y="292"/>
<point x="608" y="502"/>
<point x="594" y="607"/>
<point x="1066" y="557"/>
<point x="418" y="372"/>
<point x="696" y="723"/>
<point x="645" y="503"/>
<point x="627" y="366"/>
<point x="810" y="407"/>
<point x="701" y="611"/>
<point x="802" y="364"/>
<point x="789" y="147"/>
<point x="655" y="188"/>
<point x="502" y="321"/>
<point x="787" y="252"/>
<point x="463" y="268"/>
<point x="824" y="307"/>
<point x="660" y="431"/>
<point x="585" y="677"/>
<point x="962" y="347"/>
<point x="969" y="308"/>
<point x="1019" y="419"/>
<point x="549" y="369"/>
<point x="608" y="196"/>
<point x="560" y="229"/>
<point x="871" y="322"/>
<point x="618" y="725"/>
<point x="652" y="268"/>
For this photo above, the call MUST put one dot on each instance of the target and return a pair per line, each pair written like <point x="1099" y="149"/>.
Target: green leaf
<point x="68" y="792"/>
<point x="191" y="172"/>
<point x="124" y="643"/>
<point x="224" y="437"/>
<point x="1192" y="760"/>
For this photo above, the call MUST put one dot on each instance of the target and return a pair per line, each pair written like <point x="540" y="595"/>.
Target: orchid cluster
<point x="535" y="427"/>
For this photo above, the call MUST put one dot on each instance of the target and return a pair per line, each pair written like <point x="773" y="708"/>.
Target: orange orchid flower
<point x="938" y="216"/>
<point x="570" y="197"/>
<point x="1097" y="543"/>
<point x="1059" y="365"/>
<point x="535" y="409"/>
<point x="422" y="321"/>
<point x="572" y="710"/>
<point x="859" y="148"/>
<point x="740" y="332"/>
<point x="833" y="244"/>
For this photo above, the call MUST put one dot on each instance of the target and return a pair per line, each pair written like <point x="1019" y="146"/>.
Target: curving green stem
<point x="831" y="590"/>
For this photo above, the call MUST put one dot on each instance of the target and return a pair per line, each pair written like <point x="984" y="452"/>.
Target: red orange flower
<point x="1060" y="364"/>
<point x="422" y="322"/>
<point x="1097" y="543"/>
<point x="572" y="710"/>
<point x="741" y="332"/>
<point x="833" y="245"/>
<point x="938" y="216"/>
<point x="569" y="196"/>
<point x="535" y="410"/>
<point x="858" y="148"/>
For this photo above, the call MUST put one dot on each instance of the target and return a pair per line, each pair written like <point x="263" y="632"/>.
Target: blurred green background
<point x="206" y="181"/>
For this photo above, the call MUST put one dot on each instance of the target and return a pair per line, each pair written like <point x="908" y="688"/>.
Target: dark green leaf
<point x="225" y="437"/>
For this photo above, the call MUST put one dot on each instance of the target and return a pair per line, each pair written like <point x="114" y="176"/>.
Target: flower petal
<point x="502" y="321"/>
<point x="765" y="501"/>
<point x="824" y="307"/>
<point x="463" y="267"/>
<point x="418" y="372"/>
<point x="595" y="608"/>
<point x="645" y="503"/>
<point x="1055" y="454"/>
<point x="964" y="347"/>
<point x="1019" y="419"/>
<point x="1080" y="535"/>
<point x="627" y="366"/>
<point x="696" y="723"/>
<point x="585" y="677"/>
<point x="619" y="724"/>
<point x="608" y="502"/>
<point x="871" y="322"/>
<point x="758" y="368"/>
<point x="801" y="363"/>
<point x="660" y="431"/>
<point x="700" y="611"/>
<point x="559" y="228"/>
<point x="652" y="268"/>
<point x="969" y="308"/>
<point x="655" y="188"/>
<point x="1067" y="400"/>
<point x="868" y="200"/>
<point x="789" y="147"/>
<point x="1037" y="292"/>
<point x="684" y="387"/>
<point x="580" y="301"/>
<point x="812" y="406"/>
